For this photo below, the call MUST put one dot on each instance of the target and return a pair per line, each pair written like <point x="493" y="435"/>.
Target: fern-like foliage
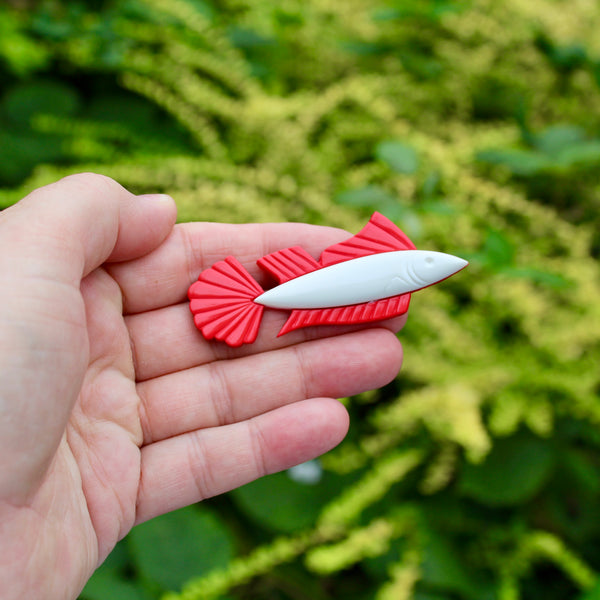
<point x="475" y="474"/>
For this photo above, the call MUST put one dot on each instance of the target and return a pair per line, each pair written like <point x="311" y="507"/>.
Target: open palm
<point x="113" y="408"/>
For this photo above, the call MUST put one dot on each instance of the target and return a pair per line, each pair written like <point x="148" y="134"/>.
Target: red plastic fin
<point x="288" y="264"/>
<point x="378" y="235"/>
<point x="222" y="302"/>
<point x="345" y="315"/>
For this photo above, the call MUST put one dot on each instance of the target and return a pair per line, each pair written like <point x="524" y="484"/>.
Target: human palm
<point x="113" y="408"/>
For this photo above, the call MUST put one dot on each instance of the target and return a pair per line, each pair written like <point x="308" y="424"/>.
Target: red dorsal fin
<point x="378" y="235"/>
<point x="345" y="315"/>
<point x="288" y="264"/>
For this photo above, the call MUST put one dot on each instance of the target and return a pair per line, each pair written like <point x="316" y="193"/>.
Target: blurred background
<point x="475" y="126"/>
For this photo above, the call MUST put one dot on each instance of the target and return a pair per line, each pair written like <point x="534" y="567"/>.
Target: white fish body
<point x="363" y="279"/>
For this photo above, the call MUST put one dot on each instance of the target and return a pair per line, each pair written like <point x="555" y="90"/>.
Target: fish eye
<point x="429" y="260"/>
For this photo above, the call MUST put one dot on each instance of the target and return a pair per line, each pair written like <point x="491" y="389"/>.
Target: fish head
<point x="412" y="270"/>
<point x="426" y="267"/>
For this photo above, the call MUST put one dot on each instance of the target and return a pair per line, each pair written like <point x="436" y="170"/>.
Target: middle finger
<point x="225" y="392"/>
<point x="166" y="340"/>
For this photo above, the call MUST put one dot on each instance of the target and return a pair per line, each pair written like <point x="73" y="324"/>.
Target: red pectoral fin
<point x="288" y="264"/>
<point x="378" y="235"/>
<point x="358" y="313"/>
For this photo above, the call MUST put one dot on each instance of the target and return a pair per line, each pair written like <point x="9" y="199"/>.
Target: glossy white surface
<point x="363" y="279"/>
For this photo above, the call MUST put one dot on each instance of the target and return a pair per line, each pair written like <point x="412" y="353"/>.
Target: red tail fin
<point x="222" y="302"/>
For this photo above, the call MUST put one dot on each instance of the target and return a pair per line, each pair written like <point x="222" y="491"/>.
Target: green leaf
<point x="21" y="151"/>
<point x="248" y="38"/>
<point x="442" y="568"/>
<point x="525" y="163"/>
<point x="569" y="57"/>
<point x="425" y="10"/>
<point x="204" y="8"/>
<point x="368" y="196"/>
<point x="117" y="561"/>
<point x="121" y="108"/>
<point x="553" y="140"/>
<point x="552" y="280"/>
<point x="173" y="548"/>
<point x="398" y="156"/>
<point x="513" y="472"/>
<point x="23" y="101"/>
<point x="366" y="48"/>
<point x="104" y="585"/>
<point x="498" y="249"/>
<point x="582" y="471"/>
<point x="584" y="154"/>
<point x="431" y="185"/>
<point x="555" y="151"/>
<point x="281" y="504"/>
<point x="112" y="579"/>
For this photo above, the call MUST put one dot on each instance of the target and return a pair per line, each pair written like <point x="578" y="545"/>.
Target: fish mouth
<point x="460" y="264"/>
<point x="454" y="265"/>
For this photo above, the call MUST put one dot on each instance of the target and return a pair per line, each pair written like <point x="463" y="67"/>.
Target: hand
<point x="113" y="408"/>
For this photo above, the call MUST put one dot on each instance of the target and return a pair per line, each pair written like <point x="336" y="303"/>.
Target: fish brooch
<point x="369" y="277"/>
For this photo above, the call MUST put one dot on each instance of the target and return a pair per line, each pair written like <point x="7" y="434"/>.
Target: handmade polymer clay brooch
<point x="369" y="277"/>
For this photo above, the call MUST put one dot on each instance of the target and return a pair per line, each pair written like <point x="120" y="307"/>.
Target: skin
<point x="113" y="408"/>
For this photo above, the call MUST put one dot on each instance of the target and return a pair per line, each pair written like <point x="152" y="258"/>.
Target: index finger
<point x="163" y="277"/>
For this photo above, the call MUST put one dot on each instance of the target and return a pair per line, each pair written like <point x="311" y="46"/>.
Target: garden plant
<point x="475" y="126"/>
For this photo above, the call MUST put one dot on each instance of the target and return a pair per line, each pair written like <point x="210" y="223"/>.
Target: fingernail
<point x="162" y="198"/>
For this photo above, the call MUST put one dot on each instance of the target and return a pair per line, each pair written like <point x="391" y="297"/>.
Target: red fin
<point x="288" y="264"/>
<point x="222" y="302"/>
<point x="345" y="315"/>
<point x="378" y="235"/>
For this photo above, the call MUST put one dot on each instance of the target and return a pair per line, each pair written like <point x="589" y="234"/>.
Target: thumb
<point x="48" y="242"/>
<point x="82" y="221"/>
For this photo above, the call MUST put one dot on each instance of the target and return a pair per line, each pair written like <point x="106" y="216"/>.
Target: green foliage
<point x="476" y="126"/>
<point x="280" y="504"/>
<point x="398" y="156"/>
<point x="512" y="473"/>
<point x="553" y="162"/>
<point x="201" y="545"/>
<point x="164" y="553"/>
